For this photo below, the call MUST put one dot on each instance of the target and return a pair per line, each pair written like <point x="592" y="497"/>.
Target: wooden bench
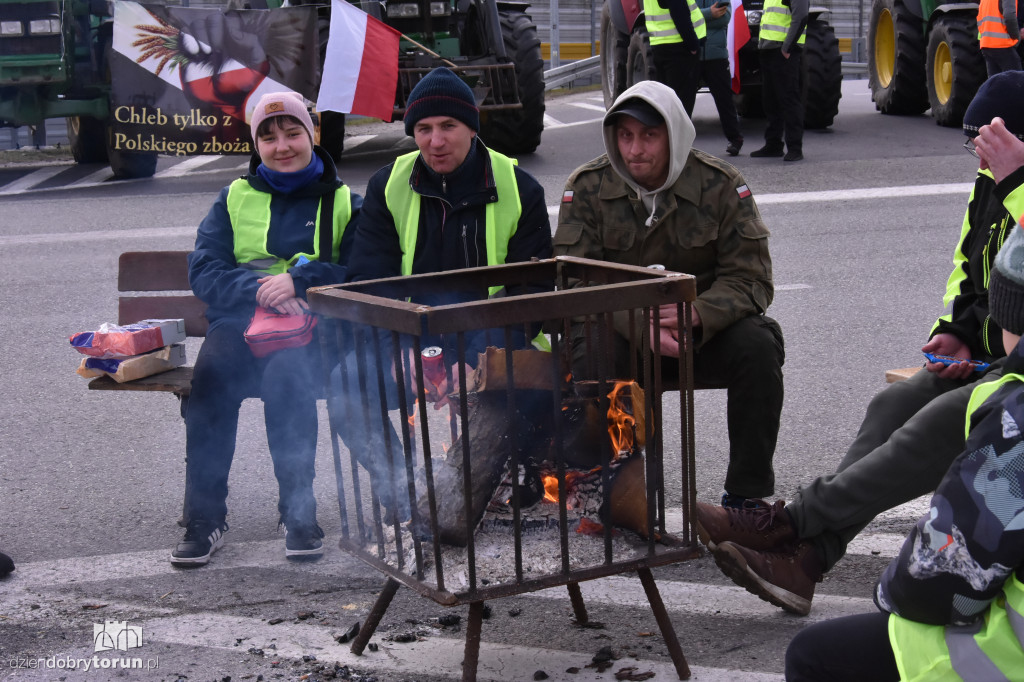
<point x="154" y="285"/>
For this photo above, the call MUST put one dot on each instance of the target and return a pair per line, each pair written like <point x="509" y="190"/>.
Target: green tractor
<point x="54" y="63"/>
<point x="924" y="55"/>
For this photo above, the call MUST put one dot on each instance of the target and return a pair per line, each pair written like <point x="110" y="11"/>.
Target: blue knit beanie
<point x="441" y="93"/>
<point x="1001" y="95"/>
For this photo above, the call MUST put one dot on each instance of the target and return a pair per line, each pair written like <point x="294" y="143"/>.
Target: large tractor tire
<point x="517" y="131"/>
<point x="86" y="137"/>
<point x="896" y="52"/>
<point x="639" y="58"/>
<point x="955" y="67"/>
<point x="614" y="53"/>
<point x="748" y="101"/>
<point x="822" y="75"/>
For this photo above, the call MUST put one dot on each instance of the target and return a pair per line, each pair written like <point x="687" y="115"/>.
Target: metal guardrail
<point x="563" y="75"/>
<point x="591" y="66"/>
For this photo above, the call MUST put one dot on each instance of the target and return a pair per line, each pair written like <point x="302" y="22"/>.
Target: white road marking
<point x="92" y="179"/>
<point x="356" y="140"/>
<point x="866" y="193"/>
<point x="552" y="122"/>
<point x="187" y="166"/>
<point x="34" y="178"/>
<point x="589" y="107"/>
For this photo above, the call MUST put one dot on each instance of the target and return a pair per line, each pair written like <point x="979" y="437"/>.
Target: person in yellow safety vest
<point x="676" y="30"/>
<point x="780" y="50"/>
<point x="952" y="602"/>
<point x="998" y="35"/>
<point x="271" y="235"/>
<point x="452" y="204"/>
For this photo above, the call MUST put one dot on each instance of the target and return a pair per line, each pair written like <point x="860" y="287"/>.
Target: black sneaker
<point x="6" y="565"/>
<point x="202" y="539"/>
<point x="767" y="151"/>
<point x="303" y="542"/>
<point x="734" y="147"/>
<point x="794" y="155"/>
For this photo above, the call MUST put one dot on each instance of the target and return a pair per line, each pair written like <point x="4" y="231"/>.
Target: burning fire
<point x="621" y="424"/>
<point x="551" y="484"/>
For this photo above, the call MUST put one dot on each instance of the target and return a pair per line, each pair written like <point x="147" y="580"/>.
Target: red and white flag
<point x="736" y="37"/>
<point x="361" y="68"/>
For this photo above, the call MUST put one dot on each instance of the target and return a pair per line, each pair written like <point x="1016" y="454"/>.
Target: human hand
<point x="950" y="346"/>
<point x="1000" y="150"/>
<point x="785" y="54"/>
<point x="669" y="329"/>
<point x="717" y="11"/>
<point x="275" y="290"/>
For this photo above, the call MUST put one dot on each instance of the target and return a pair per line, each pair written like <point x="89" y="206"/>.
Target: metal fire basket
<point x="530" y="418"/>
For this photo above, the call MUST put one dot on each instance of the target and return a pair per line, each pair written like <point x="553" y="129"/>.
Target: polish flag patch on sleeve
<point x="743" y="191"/>
<point x="567" y="196"/>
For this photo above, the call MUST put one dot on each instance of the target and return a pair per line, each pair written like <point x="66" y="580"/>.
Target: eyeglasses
<point x="969" y="146"/>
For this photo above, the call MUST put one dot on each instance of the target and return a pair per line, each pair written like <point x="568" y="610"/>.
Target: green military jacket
<point x="706" y="224"/>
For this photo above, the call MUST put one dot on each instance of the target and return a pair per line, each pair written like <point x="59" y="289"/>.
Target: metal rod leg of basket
<point x="668" y="633"/>
<point x="579" y="609"/>
<point x="373" y="618"/>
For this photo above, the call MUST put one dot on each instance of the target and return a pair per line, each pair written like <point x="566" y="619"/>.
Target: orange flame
<point x="620" y="422"/>
<point x="412" y="415"/>
<point x="551" y="483"/>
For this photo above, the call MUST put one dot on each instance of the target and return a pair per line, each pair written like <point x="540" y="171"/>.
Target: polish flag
<point x="361" y="68"/>
<point x="737" y="37"/>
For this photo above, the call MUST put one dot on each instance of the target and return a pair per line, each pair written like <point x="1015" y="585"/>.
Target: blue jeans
<point x="225" y="374"/>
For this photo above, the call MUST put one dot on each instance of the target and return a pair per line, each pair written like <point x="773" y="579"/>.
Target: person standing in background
<point x="676" y="29"/>
<point x="780" y="46"/>
<point x="998" y="35"/>
<point x="714" y="69"/>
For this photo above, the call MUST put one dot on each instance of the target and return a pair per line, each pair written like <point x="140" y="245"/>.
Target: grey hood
<point x="681" y="134"/>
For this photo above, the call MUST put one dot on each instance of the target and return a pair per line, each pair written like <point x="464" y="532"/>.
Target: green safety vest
<point x="985" y="651"/>
<point x="249" y="210"/>
<point x="502" y="216"/>
<point x="662" y="30"/>
<point x="775" y="21"/>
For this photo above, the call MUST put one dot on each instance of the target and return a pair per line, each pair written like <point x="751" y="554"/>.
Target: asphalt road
<point x="862" y="238"/>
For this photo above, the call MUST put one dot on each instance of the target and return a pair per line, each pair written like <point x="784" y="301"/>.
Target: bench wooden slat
<point x="153" y="271"/>
<point x="177" y="381"/>
<point x="894" y="375"/>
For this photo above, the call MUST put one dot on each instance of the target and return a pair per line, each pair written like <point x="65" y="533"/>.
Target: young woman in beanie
<point x="284" y="227"/>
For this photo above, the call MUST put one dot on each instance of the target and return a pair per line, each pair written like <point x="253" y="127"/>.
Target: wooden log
<point x="489" y="437"/>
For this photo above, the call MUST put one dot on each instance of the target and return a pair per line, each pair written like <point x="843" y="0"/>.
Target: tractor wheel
<point x="822" y="75"/>
<point x="748" y="101"/>
<point x="517" y="131"/>
<point x="955" y="68"/>
<point x="896" y="59"/>
<point x="614" y="53"/>
<point x="86" y="137"/>
<point x="639" y="59"/>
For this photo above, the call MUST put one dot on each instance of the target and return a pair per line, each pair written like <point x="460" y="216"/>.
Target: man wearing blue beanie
<point x="453" y="204"/>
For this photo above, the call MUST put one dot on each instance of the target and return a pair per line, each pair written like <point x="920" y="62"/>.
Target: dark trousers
<point x="356" y="406"/>
<point x="999" y="59"/>
<point x="781" y="98"/>
<point x="911" y="433"/>
<point x="715" y="74"/>
<point x="226" y="372"/>
<point x="679" y="69"/>
<point x="853" y="649"/>
<point x="747" y="359"/>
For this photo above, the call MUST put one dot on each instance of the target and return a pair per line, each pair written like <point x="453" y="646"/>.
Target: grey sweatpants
<point x="912" y="432"/>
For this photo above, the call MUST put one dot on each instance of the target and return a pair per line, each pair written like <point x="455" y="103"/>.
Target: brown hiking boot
<point x="785" y="579"/>
<point x="757" y="527"/>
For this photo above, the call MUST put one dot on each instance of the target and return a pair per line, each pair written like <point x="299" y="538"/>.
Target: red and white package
<point x="121" y="341"/>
